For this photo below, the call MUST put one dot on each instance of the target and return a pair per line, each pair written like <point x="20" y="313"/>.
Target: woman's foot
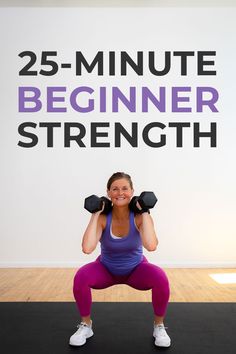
<point x="83" y="332"/>
<point x="161" y="337"/>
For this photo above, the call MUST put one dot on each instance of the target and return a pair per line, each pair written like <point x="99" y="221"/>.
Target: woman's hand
<point x="138" y="206"/>
<point x="141" y="209"/>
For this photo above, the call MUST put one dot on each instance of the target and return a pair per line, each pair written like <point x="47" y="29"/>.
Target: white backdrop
<point x="43" y="189"/>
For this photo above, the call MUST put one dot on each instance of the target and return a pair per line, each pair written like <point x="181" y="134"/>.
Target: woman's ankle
<point x="86" y="320"/>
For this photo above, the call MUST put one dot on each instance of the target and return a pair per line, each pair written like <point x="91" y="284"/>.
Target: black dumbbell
<point x="93" y="204"/>
<point x="146" y="200"/>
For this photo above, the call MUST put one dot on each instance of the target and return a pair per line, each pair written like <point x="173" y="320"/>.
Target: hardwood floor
<point x="55" y="284"/>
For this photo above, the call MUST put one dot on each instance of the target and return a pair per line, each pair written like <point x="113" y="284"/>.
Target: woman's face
<point x="120" y="192"/>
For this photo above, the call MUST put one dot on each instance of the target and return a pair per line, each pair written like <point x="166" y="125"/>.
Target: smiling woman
<point x="122" y="233"/>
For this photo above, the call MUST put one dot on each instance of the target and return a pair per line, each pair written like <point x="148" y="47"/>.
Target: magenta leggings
<point x="144" y="277"/>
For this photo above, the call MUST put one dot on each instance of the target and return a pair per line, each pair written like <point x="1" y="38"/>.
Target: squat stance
<point x="123" y="230"/>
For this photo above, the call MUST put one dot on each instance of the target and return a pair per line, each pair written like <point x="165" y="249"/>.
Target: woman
<point x="122" y="236"/>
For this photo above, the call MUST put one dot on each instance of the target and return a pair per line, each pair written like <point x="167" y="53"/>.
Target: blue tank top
<point x="121" y="256"/>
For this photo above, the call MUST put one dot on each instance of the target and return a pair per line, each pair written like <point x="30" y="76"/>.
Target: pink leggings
<point x="144" y="277"/>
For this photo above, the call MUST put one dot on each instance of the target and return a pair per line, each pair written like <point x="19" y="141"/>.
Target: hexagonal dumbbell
<point x="146" y="200"/>
<point x="93" y="204"/>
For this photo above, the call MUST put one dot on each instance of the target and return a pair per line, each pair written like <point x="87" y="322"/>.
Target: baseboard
<point x="79" y="264"/>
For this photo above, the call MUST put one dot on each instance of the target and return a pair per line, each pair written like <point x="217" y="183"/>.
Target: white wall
<point x="117" y="3"/>
<point x="42" y="189"/>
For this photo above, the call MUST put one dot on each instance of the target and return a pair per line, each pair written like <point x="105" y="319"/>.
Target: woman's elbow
<point x="87" y="250"/>
<point x="152" y="247"/>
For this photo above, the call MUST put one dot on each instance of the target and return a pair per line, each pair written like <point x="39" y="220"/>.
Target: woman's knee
<point x="162" y="283"/>
<point x="163" y="275"/>
<point x="78" y="280"/>
<point x="159" y="277"/>
<point x="81" y="277"/>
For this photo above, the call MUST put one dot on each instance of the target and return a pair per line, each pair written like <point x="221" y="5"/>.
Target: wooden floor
<point x="55" y="284"/>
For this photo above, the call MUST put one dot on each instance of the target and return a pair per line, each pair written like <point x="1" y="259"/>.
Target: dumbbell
<point x="146" y="200"/>
<point x="93" y="204"/>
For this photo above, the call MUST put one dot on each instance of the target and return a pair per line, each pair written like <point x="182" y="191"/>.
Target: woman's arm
<point x="145" y="225"/>
<point x="93" y="232"/>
